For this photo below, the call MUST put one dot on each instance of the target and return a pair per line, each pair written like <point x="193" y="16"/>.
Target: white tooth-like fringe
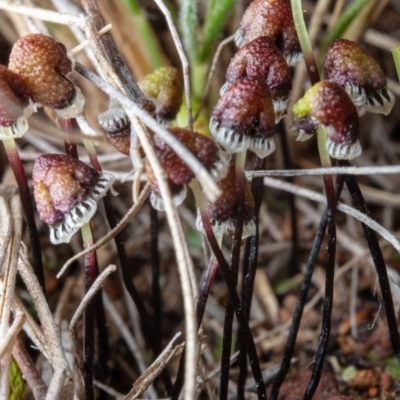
<point x="18" y="129"/>
<point x="232" y="141"/>
<point x="249" y="229"/>
<point x="113" y="120"/>
<point x="164" y="122"/>
<point x="263" y="146"/>
<point x="343" y="151"/>
<point x="224" y="88"/>
<point x="80" y="214"/>
<point x="158" y="203"/>
<point x="221" y="166"/>
<point x="293" y="58"/>
<point x="280" y="105"/>
<point x="358" y="97"/>
<point x="240" y="41"/>
<point x="225" y="227"/>
<point x="75" y="108"/>
<point x="373" y="105"/>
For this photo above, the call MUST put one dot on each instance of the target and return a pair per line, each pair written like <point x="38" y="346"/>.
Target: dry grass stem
<point x="19" y="320"/>
<point x="110" y="235"/>
<point x="154" y="370"/>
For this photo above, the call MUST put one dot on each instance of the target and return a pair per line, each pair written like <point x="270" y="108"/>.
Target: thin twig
<point x="310" y="194"/>
<point x="98" y="283"/>
<point x="389" y="169"/>
<point x="44" y="15"/>
<point x="154" y="370"/>
<point x="110" y="235"/>
<point x="12" y="332"/>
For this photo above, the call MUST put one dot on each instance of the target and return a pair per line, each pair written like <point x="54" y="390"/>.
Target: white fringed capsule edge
<point x="74" y="108"/>
<point x="226" y="227"/>
<point x="158" y="203"/>
<point x="18" y="129"/>
<point x="221" y="165"/>
<point x="234" y="142"/>
<point x="341" y="151"/>
<point x="380" y="102"/>
<point x="63" y="230"/>
<point x="113" y="120"/>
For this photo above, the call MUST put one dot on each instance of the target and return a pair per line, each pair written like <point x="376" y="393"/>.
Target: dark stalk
<point x="200" y="307"/>
<point x="329" y="282"/>
<point x="302" y="298"/>
<point x="249" y="272"/>
<point x="155" y="267"/>
<point x="126" y="278"/>
<point x="229" y="311"/>
<point x="88" y="364"/>
<point x="24" y="193"/>
<point x="102" y="329"/>
<point x="240" y="316"/>
<point x="293" y="264"/>
<point x="379" y="262"/>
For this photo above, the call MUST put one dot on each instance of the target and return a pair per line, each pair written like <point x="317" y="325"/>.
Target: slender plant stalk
<point x="302" y="298"/>
<point x="243" y="325"/>
<point x="293" y="264"/>
<point x="90" y="277"/>
<point x="22" y="182"/>
<point x="396" y="58"/>
<point x="379" y="262"/>
<point x="304" y="40"/>
<point x="249" y="272"/>
<point x="200" y="307"/>
<point x="125" y="273"/>
<point x="331" y="207"/>
<point x="155" y="267"/>
<point x="235" y="260"/>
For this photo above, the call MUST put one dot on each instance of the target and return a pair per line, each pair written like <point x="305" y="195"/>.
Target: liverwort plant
<point x="272" y="18"/>
<point x="363" y="79"/>
<point x="327" y="105"/>
<point x="244" y="118"/>
<point x="15" y="107"/>
<point x="260" y="59"/>
<point x="44" y="66"/>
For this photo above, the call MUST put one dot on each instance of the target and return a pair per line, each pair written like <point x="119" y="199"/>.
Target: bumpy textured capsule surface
<point x="60" y="182"/>
<point x="14" y="97"/>
<point x="348" y="65"/>
<point x="327" y="104"/>
<point x="260" y="59"/>
<point x="222" y="212"/>
<point x="205" y="149"/>
<point x="43" y="65"/>
<point x="272" y="18"/>
<point x="244" y="118"/>
<point x="165" y="86"/>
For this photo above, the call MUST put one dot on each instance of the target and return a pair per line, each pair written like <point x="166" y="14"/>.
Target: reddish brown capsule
<point x="260" y="59"/>
<point x="44" y="66"/>
<point x="363" y="79"/>
<point x="272" y="18"/>
<point x="66" y="192"/>
<point x="244" y="118"/>
<point x="203" y="148"/>
<point x="15" y="106"/>
<point x="327" y="104"/>
<point x="222" y="212"/>
<point x="165" y="87"/>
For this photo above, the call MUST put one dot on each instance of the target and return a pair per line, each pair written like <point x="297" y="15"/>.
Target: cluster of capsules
<point x="38" y="75"/>
<point x="354" y="83"/>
